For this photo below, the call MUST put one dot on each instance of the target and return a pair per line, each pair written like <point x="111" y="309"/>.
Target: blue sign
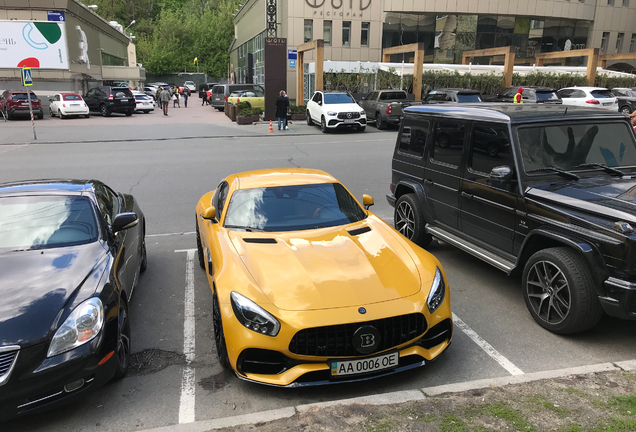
<point x="55" y="16"/>
<point x="292" y="63"/>
<point x="27" y="79"/>
<point x="292" y="54"/>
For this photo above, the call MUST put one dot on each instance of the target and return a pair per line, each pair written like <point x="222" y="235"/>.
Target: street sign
<point x="292" y="54"/>
<point x="292" y="63"/>
<point x="27" y="80"/>
<point x="55" y="16"/>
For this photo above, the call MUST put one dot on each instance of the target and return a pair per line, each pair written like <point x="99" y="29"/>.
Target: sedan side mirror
<point x="209" y="213"/>
<point x="51" y="100"/>
<point x="500" y="175"/>
<point x="123" y="221"/>
<point x="367" y="201"/>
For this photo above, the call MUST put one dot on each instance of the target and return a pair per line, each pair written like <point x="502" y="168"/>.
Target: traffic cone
<point x="270" y="127"/>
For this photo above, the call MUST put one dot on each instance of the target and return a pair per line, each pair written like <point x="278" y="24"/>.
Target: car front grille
<point x="336" y="340"/>
<point x="7" y="358"/>
<point x="348" y="115"/>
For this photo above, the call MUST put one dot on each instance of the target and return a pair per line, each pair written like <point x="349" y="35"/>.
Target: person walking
<point x="282" y="105"/>
<point x="519" y="96"/>
<point x="158" y="96"/>
<point x="204" y="100"/>
<point x="186" y="95"/>
<point x="175" y="98"/>
<point x="164" y="97"/>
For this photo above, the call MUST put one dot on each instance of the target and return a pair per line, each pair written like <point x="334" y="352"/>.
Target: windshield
<point x="602" y="94"/>
<point x="468" y="97"/>
<point x="23" y="96"/>
<point x="293" y="208"/>
<point x="398" y="95"/>
<point x="338" y="98"/>
<point x="544" y="96"/>
<point x="566" y="146"/>
<point x="36" y="222"/>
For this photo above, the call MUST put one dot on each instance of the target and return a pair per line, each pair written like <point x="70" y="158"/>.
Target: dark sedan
<point x="70" y="257"/>
<point x="626" y="99"/>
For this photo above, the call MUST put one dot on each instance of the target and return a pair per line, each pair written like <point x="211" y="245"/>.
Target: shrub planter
<point x="233" y="112"/>
<point x="244" y="120"/>
<point x="302" y="116"/>
<point x="256" y="118"/>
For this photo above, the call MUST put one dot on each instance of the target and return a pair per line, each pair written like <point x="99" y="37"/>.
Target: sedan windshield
<point x="338" y="98"/>
<point x="292" y="208"/>
<point x="571" y="146"/>
<point x="37" y="222"/>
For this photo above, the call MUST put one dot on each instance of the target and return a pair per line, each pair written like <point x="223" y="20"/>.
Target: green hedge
<point x="297" y="109"/>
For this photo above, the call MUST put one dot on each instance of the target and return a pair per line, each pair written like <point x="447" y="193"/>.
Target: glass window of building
<point x="604" y="42"/>
<point x="364" y="34"/>
<point x="626" y="3"/>
<point x="346" y="33"/>
<point x="309" y="30"/>
<point x="632" y="44"/>
<point x="619" y="42"/>
<point x="326" y="32"/>
<point x="610" y="2"/>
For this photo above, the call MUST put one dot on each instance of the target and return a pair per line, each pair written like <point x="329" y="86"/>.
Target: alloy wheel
<point x="219" y="336"/>
<point x="405" y="222"/>
<point x="123" y="339"/>
<point x="548" y="292"/>
<point x="626" y="110"/>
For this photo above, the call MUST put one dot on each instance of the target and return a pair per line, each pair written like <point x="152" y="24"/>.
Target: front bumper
<point x="620" y="300"/>
<point x="335" y="123"/>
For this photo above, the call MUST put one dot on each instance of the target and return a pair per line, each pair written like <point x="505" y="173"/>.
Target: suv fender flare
<point x="590" y="253"/>
<point x="416" y="188"/>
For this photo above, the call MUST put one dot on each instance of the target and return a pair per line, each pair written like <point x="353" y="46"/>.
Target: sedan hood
<point x="35" y="286"/>
<point x="330" y="267"/>
<point x="607" y="196"/>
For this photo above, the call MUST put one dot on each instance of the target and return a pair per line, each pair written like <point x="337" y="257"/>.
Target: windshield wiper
<point x="603" y="166"/>
<point x="559" y="171"/>
<point x="248" y="228"/>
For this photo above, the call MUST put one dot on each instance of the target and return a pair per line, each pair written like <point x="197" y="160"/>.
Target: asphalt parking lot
<point x="167" y="163"/>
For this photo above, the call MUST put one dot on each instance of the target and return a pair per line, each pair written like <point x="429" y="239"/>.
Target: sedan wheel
<point x="123" y="342"/>
<point x="200" y="254"/>
<point x="144" y="256"/>
<point x="409" y="220"/>
<point x="51" y="112"/>
<point x="219" y="336"/>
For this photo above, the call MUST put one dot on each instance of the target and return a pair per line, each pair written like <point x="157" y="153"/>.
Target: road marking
<point x="172" y="234"/>
<point x="187" y="401"/>
<point x="503" y="361"/>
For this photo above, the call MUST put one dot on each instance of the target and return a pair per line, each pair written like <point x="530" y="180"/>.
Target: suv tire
<point x="561" y="277"/>
<point x="129" y="113"/>
<point x="626" y="109"/>
<point x="378" y="122"/>
<point x="310" y="122"/>
<point x="323" y="125"/>
<point x="409" y="220"/>
<point x="104" y="110"/>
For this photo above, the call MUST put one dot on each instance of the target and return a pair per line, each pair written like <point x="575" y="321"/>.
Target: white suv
<point x="591" y="97"/>
<point x="335" y="110"/>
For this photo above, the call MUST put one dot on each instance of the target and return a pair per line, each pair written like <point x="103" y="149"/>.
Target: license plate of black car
<point x="367" y="365"/>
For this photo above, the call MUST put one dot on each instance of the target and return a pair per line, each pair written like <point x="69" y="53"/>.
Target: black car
<point x="70" y="257"/>
<point x="107" y="100"/>
<point x="452" y="95"/>
<point x="541" y="95"/>
<point x="626" y="99"/>
<point x="556" y="203"/>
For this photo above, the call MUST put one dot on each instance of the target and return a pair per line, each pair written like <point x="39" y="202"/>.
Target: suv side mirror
<point x="209" y="213"/>
<point x="367" y="201"/>
<point x="500" y="175"/>
<point x="123" y="221"/>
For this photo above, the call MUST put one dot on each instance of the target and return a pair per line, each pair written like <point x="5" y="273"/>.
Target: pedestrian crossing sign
<point x="27" y="80"/>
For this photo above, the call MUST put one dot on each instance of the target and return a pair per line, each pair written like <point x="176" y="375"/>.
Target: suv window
<point x="602" y="94"/>
<point x="468" y="97"/>
<point x="317" y="97"/>
<point x="448" y="142"/>
<point x="413" y="136"/>
<point x="218" y="89"/>
<point x="546" y="95"/>
<point x="490" y="148"/>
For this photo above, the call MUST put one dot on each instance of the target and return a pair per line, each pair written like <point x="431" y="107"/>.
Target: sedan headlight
<point x="332" y="113"/>
<point x="81" y="326"/>
<point x="437" y="293"/>
<point x="254" y="317"/>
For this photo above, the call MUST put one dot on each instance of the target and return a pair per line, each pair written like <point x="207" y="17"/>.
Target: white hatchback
<point x="591" y="97"/>
<point x="144" y="102"/>
<point x="68" y="104"/>
<point x="333" y="110"/>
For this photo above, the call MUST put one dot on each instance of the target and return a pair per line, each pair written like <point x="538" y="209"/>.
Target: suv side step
<point x="473" y="249"/>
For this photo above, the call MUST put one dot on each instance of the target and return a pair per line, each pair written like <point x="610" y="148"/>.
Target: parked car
<point x="453" y="95"/>
<point x="555" y="205"/>
<point x="14" y="103"/>
<point x="385" y="106"/>
<point x="68" y="104"/>
<point x="254" y="98"/>
<point x="333" y="110"/>
<point x="71" y="253"/>
<point x="122" y="84"/>
<point x="151" y="90"/>
<point x="309" y="287"/>
<point x="545" y="95"/>
<point x="626" y="99"/>
<point x="190" y="85"/>
<point x="107" y="100"/>
<point x="221" y="92"/>
<point x="591" y="97"/>
<point x="144" y="102"/>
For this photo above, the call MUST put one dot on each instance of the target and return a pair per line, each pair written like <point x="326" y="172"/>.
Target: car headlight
<point x="362" y="112"/>
<point x="254" y="317"/>
<point x="437" y="293"/>
<point x="331" y="113"/>
<point x="81" y="326"/>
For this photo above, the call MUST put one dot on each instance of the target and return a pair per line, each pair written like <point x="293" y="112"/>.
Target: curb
<point x="392" y="398"/>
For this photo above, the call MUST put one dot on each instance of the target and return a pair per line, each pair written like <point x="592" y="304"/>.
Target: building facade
<point x="69" y="46"/>
<point x="358" y="30"/>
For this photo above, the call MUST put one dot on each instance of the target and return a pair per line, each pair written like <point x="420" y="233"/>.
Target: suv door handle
<point x="428" y="181"/>
<point x="467" y="195"/>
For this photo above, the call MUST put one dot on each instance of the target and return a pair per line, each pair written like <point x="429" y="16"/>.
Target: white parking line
<point x="171" y="234"/>
<point x="503" y="361"/>
<point x="187" y="401"/>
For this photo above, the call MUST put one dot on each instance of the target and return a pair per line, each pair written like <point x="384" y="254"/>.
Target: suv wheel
<point x="625" y="109"/>
<point x="129" y="113"/>
<point x="310" y="122"/>
<point x="409" y="220"/>
<point x="378" y="122"/>
<point x="323" y="125"/>
<point x="104" y="110"/>
<point x="559" y="291"/>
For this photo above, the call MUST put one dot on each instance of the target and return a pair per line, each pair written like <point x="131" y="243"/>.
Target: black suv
<point x="108" y="100"/>
<point x="452" y="95"/>
<point x="545" y="95"/>
<point x="556" y="203"/>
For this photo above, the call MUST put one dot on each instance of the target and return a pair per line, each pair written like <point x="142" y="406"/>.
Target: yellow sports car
<point x="309" y="287"/>
<point x="254" y="98"/>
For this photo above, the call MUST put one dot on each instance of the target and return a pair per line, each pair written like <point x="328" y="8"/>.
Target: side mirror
<point x="367" y="201"/>
<point x="320" y="103"/>
<point x="500" y="175"/>
<point x="363" y="98"/>
<point x="51" y="100"/>
<point x="209" y="213"/>
<point x="123" y="221"/>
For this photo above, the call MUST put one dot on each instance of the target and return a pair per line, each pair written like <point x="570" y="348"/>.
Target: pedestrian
<point x="282" y="105"/>
<point x="165" y="98"/>
<point x="158" y="96"/>
<point x="205" y="98"/>
<point x="175" y="98"/>
<point x="518" y="96"/>
<point x="186" y="95"/>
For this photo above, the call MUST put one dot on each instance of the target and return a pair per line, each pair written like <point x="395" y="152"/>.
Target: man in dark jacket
<point x="282" y="105"/>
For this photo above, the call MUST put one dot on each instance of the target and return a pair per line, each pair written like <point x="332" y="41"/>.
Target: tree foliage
<point x="171" y="33"/>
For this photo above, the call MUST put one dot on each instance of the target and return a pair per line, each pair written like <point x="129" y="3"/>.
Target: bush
<point x="298" y="109"/>
<point x="246" y="112"/>
<point x="256" y="111"/>
<point x="242" y="105"/>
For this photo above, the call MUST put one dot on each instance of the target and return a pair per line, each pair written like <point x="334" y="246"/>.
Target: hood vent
<point x="259" y="240"/>
<point x="359" y="231"/>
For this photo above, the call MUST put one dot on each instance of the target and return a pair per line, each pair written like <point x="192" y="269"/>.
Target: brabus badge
<point x="362" y="310"/>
